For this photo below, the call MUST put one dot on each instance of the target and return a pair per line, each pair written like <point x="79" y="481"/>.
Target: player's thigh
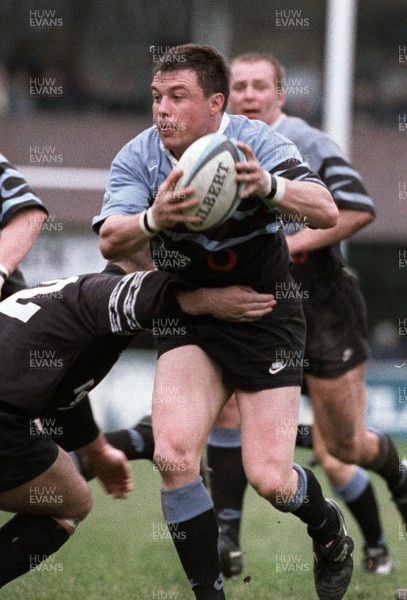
<point x="60" y="491"/>
<point x="269" y="421"/>
<point x="339" y="403"/>
<point x="229" y="416"/>
<point x="188" y="395"/>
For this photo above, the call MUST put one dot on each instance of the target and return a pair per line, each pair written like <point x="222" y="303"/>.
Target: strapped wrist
<point x="277" y="191"/>
<point x="147" y="224"/>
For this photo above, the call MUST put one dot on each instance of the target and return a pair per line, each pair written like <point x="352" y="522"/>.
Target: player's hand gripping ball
<point x="209" y="166"/>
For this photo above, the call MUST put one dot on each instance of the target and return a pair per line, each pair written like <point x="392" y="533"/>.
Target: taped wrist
<point x="277" y="191"/>
<point x="148" y="224"/>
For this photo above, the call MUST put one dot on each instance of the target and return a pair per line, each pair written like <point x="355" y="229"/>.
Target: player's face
<point x="181" y="111"/>
<point x="253" y="91"/>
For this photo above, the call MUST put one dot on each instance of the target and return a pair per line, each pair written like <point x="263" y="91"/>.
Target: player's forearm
<point x="19" y="235"/>
<point x="349" y="222"/>
<point x="96" y="447"/>
<point x="311" y="202"/>
<point x="121" y="236"/>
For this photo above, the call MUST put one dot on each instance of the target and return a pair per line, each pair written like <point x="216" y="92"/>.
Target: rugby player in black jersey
<point x="57" y="341"/>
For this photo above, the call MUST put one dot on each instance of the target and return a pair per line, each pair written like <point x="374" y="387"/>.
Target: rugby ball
<point x="209" y="165"/>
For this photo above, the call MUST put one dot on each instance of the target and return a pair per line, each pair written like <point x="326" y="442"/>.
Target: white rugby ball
<point x="209" y="166"/>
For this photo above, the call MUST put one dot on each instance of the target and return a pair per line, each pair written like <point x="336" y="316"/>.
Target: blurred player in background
<point x="21" y="217"/>
<point x="57" y="341"/>
<point x="190" y="89"/>
<point x="336" y="348"/>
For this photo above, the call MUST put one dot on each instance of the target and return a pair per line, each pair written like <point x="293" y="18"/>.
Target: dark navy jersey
<point x="58" y="340"/>
<point x="343" y="181"/>
<point x="249" y="248"/>
<point x="15" y="195"/>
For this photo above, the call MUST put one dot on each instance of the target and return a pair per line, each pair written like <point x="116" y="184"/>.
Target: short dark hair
<point x="212" y="71"/>
<point x="253" y="57"/>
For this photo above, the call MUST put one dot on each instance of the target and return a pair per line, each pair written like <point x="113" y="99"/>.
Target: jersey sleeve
<point x="138" y="299"/>
<point x="77" y="425"/>
<point x="277" y="154"/>
<point x="128" y="191"/>
<point x="326" y="158"/>
<point x="345" y="183"/>
<point x="15" y="193"/>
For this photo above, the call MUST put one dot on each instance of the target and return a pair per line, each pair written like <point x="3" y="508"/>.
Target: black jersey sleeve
<point x="73" y="428"/>
<point x="140" y="298"/>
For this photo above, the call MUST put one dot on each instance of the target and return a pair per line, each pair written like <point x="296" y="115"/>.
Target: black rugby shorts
<point x="336" y="318"/>
<point x="25" y="453"/>
<point x="259" y="355"/>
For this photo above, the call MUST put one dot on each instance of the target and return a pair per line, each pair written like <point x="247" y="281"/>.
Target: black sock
<point x="25" y="541"/>
<point x="387" y="463"/>
<point x="366" y="512"/>
<point x="315" y="511"/>
<point x="228" y="484"/>
<point x="196" y="543"/>
<point x="304" y="436"/>
<point x="136" y="443"/>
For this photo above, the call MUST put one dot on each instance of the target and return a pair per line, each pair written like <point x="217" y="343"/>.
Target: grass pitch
<point x="123" y="551"/>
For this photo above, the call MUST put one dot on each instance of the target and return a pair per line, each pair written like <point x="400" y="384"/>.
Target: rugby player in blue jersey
<point x="190" y="91"/>
<point x="336" y="347"/>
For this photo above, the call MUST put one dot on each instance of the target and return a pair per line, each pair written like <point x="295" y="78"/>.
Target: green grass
<point x="121" y="552"/>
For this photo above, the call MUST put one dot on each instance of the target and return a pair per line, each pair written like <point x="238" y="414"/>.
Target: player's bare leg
<point x="269" y="428"/>
<point x="48" y="508"/>
<point x="188" y="394"/>
<point x="351" y="483"/>
<point x="342" y="400"/>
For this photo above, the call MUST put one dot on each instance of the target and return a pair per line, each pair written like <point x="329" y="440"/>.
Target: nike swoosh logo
<point x="276" y="367"/>
<point x="152" y="168"/>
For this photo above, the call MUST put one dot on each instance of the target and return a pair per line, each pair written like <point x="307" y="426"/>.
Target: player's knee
<point x="175" y="458"/>
<point x="80" y="506"/>
<point x="345" y="449"/>
<point x="270" y="484"/>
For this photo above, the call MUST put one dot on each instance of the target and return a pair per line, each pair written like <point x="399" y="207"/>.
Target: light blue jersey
<point x="144" y="164"/>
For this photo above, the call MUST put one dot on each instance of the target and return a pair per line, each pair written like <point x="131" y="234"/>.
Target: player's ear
<point x="217" y="102"/>
<point x="280" y="97"/>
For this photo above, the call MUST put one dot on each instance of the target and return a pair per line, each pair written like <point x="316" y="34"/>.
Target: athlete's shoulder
<point x="313" y="143"/>
<point x="148" y="141"/>
<point x="269" y="146"/>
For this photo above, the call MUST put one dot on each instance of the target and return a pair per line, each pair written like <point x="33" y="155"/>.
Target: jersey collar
<point x="278" y="121"/>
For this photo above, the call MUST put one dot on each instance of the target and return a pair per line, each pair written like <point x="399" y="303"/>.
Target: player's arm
<point x="110" y="465"/>
<point x="349" y="222"/>
<point x="123" y="235"/>
<point x="19" y="235"/>
<point x="21" y="217"/>
<point x="232" y="303"/>
<point x="139" y="299"/>
<point x="355" y="206"/>
<point x="309" y="200"/>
